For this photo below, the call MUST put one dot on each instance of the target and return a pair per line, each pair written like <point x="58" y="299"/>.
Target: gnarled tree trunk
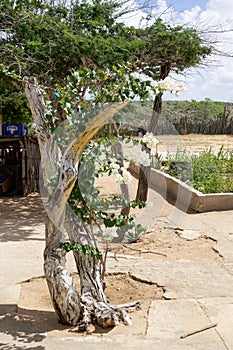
<point x="90" y="304"/>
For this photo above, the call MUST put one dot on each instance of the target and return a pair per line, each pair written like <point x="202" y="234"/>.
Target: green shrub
<point x="207" y="172"/>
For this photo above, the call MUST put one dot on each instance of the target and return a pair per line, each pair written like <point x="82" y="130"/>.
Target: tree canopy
<point x="49" y="40"/>
<point x="176" y="48"/>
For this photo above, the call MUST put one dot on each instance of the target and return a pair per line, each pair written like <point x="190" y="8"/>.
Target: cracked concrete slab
<point x="199" y="285"/>
<point x="229" y="266"/>
<point x="171" y="319"/>
<point x="17" y="332"/>
<point x="94" y="343"/>
<point x="219" y="221"/>
<point x="134" y="343"/>
<point x="120" y="263"/>
<point x="224" y="247"/>
<point x="220" y="310"/>
<point x="21" y="255"/>
<point x="9" y="298"/>
<point x="185" y="278"/>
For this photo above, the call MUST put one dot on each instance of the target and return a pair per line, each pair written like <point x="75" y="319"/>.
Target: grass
<point x="207" y="172"/>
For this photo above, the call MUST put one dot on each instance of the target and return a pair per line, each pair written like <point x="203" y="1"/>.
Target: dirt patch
<point x="162" y="243"/>
<point x="35" y="304"/>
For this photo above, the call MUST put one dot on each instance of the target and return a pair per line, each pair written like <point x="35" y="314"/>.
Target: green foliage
<point x="104" y="85"/>
<point x="82" y="248"/>
<point x="86" y="201"/>
<point x="132" y="236"/>
<point x="13" y="103"/>
<point x="206" y="109"/>
<point x="177" y="48"/>
<point x="180" y="166"/>
<point x="205" y="116"/>
<point x="213" y="172"/>
<point x="209" y="172"/>
<point x="50" y="40"/>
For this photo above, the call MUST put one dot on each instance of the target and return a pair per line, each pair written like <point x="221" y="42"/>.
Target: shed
<point x="19" y="165"/>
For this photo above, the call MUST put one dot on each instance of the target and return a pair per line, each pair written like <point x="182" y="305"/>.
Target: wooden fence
<point x="20" y="158"/>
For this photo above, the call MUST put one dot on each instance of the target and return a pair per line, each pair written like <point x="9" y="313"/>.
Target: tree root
<point x="81" y="310"/>
<point x="104" y="314"/>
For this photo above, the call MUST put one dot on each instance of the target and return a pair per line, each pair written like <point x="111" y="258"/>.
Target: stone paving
<point x="196" y="312"/>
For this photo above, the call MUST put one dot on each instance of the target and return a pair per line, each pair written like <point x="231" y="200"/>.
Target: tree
<point x="91" y="305"/>
<point x="49" y="42"/>
<point x="169" y="49"/>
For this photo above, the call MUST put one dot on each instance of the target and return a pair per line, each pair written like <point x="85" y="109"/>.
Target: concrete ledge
<point x="183" y="196"/>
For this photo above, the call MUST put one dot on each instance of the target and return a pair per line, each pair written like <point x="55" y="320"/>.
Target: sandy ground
<point x="160" y="243"/>
<point x="194" y="142"/>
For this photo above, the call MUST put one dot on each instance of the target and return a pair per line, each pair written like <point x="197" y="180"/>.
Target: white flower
<point x="149" y="139"/>
<point x="143" y="158"/>
<point x="76" y="75"/>
<point x="137" y="156"/>
<point x="168" y="84"/>
<point x="181" y="87"/>
<point x="177" y="94"/>
<point x="67" y="107"/>
<point x="115" y="167"/>
<point x="123" y="176"/>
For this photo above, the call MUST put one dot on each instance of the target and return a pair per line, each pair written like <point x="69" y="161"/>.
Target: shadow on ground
<point x="19" y="333"/>
<point x="21" y="218"/>
<point x="31" y="326"/>
<point x="5" y="346"/>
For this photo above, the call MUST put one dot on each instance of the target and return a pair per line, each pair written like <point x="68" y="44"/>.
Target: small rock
<point x="190" y="235"/>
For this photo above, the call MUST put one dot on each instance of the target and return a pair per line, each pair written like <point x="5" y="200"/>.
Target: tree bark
<point x="144" y="174"/>
<point x="91" y="304"/>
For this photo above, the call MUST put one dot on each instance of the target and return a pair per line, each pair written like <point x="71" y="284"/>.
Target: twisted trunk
<point x="144" y="175"/>
<point x="90" y="304"/>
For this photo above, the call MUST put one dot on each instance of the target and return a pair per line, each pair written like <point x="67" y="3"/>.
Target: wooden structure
<point x="19" y="163"/>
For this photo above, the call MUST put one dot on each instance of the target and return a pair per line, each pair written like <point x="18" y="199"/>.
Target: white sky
<point x="215" y="81"/>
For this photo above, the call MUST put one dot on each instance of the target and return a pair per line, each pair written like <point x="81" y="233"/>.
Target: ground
<point x="22" y="219"/>
<point x="160" y="243"/>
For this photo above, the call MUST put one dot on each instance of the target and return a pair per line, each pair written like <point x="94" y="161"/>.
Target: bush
<point x="207" y="172"/>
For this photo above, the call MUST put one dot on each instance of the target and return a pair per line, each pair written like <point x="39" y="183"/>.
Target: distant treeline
<point x="184" y="117"/>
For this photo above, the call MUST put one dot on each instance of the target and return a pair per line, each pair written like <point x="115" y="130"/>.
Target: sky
<point x="187" y="4"/>
<point x="215" y="79"/>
